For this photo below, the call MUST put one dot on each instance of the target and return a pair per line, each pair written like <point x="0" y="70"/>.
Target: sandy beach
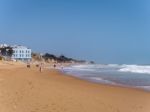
<point x="28" y="90"/>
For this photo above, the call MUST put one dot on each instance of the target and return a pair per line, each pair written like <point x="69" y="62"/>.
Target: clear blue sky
<point x="106" y="31"/>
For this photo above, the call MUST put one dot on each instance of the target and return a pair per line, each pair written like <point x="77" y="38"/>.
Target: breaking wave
<point x="120" y="68"/>
<point x="136" y="69"/>
<point x="124" y="75"/>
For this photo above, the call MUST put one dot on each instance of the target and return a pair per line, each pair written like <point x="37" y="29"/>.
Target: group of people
<point x="40" y="66"/>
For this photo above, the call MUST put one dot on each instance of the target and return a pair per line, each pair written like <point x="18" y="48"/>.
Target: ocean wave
<point x="114" y="74"/>
<point x="116" y="67"/>
<point x="135" y="69"/>
<point x="99" y="79"/>
<point x="95" y="66"/>
<point x="144" y="87"/>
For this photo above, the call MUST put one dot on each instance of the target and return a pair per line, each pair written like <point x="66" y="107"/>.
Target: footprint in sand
<point x="30" y="82"/>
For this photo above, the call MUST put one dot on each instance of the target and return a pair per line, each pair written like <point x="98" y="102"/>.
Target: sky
<point x="104" y="31"/>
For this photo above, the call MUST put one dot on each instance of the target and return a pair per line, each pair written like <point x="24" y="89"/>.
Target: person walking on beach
<point x="28" y="65"/>
<point x="62" y="67"/>
<point x="41" y="66"/>
<point x="54" y="65"/>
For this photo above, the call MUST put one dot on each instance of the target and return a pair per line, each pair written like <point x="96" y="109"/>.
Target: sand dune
<point x="28" y="90"/>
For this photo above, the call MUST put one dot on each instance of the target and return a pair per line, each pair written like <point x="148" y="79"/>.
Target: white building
<point x="21" y="53"/>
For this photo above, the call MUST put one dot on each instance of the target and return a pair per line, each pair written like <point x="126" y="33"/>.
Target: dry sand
<point x="28" y="90"/>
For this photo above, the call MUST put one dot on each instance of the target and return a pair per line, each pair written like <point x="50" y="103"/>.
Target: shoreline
<point x="28" y="90"/>
<point x="103" y="84"/>
<point x="101" y="80"/>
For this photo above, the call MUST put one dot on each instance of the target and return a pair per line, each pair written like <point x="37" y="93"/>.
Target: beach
<point x="27" y="90"/>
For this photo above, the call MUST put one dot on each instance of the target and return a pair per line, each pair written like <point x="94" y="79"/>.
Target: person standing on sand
<point x="40" y="68"/>
<point x="54" y="65"/>
<point x="41" y="65"/>
<point x="62" y="67"/>
<point x="28" y="65"/>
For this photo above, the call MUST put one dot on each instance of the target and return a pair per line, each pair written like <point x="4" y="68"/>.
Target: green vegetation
<point x="6" y="51"/>
<point x="51" y="57"/>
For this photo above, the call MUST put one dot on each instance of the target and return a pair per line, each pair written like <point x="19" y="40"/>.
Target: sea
<point x="135" y="76"/>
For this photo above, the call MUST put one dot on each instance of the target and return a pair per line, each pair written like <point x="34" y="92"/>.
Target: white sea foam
<point x="113" y="65"/>
<point x="144" y="87"/>
<point x="113" y="74"/>
<point x="102" y="80"/>
<point x="120" y="68"/>
<point x="95" y="66"/>
<point x="135" y="69"/>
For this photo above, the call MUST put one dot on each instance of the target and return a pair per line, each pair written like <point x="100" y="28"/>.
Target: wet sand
<point x="27" y="90"/>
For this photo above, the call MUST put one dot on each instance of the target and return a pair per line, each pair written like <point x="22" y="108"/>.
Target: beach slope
<point x="28" y="90"/>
